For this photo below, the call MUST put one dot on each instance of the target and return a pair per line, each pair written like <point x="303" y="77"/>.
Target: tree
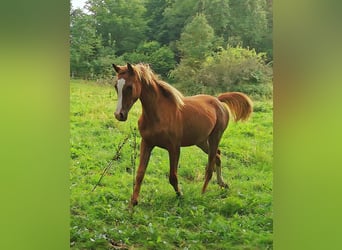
<point x="120" y="22"/>
<point x="161" y="58"/>
<point x="248" y="22"/>
<point x="196" y="41"/>
<point x="175" y="16"/>
<point x="155" y="20"/>
<point x="217" y="13"/>
<point x="84" y="44"/>
<point x="162" y="31"/>
<point x="267" y="41"/>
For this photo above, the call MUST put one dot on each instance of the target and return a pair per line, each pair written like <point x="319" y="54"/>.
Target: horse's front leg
<point x="145" y="153"/>
<point x="174" y="158"/>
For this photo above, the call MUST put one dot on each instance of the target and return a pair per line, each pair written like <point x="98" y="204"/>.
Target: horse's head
<point x="128" y="88"/>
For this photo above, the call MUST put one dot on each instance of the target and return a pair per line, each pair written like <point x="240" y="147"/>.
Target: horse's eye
<point x="129" y="88"/>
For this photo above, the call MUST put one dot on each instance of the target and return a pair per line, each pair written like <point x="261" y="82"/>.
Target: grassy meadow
<point x="235" y="218"/>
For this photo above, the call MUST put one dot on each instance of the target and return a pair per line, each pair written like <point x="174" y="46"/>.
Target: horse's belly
<point x="195" y="134"/>
<point x="198" y="123"/>
<point x="163" y="136"/>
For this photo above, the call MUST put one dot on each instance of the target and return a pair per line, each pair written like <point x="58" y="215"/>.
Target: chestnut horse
<point x="170" y="121"/>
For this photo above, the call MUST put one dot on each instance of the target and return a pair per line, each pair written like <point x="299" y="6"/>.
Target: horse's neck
<point x="150" y="100"/>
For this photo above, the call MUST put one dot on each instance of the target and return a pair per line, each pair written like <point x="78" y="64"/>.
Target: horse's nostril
<point x="121" y="115"/>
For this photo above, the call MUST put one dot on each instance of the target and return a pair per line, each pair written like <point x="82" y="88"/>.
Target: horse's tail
<point x="240" y="105"/>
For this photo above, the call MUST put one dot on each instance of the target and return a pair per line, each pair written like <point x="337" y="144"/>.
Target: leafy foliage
<point x="248" y="22"/>
<point x="234" y="65"/>
<point x="195" y="43"/>
<point x="85" y="45"/>
<point x="175" y="16"/>
<point x="238" y="218"/>
<point x="114" y="31"/>
<point x="120" y="22"/>
<point x="161" y="58"/>
<point x="196" y="40"/>
<point x="227" y="70"/>
<point x="218" y="15"/>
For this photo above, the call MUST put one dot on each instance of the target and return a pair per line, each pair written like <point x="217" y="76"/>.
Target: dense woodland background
<point x="203" y="46"/>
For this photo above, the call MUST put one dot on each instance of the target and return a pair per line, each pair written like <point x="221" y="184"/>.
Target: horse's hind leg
<point x="213" y="142"/>
<point x="205" y="147"/>
<point x="219" y="170"/>
<point x="174" y="158"/>
<point x="211" y="164"/>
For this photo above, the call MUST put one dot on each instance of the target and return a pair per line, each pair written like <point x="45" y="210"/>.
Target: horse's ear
<point x="130" y="68"/>
<point x="116" y="68"/>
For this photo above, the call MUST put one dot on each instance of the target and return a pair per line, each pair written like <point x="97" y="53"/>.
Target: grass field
<point x="238" y="218"/>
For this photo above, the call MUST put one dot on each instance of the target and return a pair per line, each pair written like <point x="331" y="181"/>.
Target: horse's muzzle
<point x="121" y="116"/>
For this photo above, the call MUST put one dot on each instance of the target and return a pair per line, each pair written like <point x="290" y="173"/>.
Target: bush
<point x="257" y="90"/>
<point x="235" y="65"/>
<point x="231" y="69"/>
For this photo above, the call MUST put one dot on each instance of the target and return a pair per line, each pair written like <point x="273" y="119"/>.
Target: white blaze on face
<point x="120" y="85"/>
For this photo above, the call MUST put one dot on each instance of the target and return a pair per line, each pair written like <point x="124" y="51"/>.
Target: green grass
<point x="238" y="218"/>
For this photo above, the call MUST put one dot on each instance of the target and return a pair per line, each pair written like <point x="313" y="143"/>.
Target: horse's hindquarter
<point x="200" y="115"/>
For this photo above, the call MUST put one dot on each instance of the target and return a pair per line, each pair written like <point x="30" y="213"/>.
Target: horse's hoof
<point x="224" y="185"/>
<point x="179" y="194"/>
<point x="134" y="203"/>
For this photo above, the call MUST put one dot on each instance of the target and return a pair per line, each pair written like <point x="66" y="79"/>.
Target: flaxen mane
<point x="147" y="76"/>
